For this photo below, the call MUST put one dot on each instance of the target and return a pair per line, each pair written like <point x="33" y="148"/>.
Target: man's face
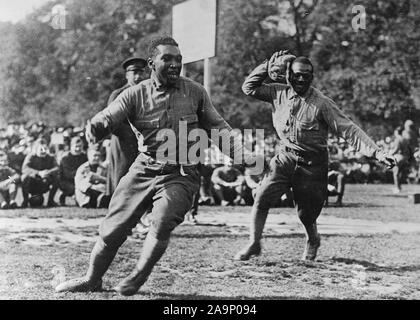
<point x="135" y="76"/>
<point x="3" y="160"/>
<point x="76" y="147"/>
<point x="167" y="64"/>
<point x="94" y="157"/>
<point x="301" y="75"/>
<point x="41" y="150"/>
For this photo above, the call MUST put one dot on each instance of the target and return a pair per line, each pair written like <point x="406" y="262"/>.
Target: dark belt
<point x="166" y="167"/>
<point x="308" y="158"/>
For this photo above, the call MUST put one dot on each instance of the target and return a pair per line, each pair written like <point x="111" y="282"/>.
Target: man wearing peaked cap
<point x="134" y="63"/>
<point x="123" y="146"/>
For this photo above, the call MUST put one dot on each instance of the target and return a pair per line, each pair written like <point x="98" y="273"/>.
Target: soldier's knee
<point x="113" y="237"/>
<point x="162" y="229"/>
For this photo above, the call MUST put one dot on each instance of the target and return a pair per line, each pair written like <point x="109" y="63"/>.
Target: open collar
<point x="159" y="86"/>
<point x="293" y="94"/>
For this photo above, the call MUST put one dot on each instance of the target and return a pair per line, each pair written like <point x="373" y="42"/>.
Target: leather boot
<point x="312" y="244"/>
<point x="257" y="226"/>
<point x="153" y="249"/>
<point x="100" y="260"/>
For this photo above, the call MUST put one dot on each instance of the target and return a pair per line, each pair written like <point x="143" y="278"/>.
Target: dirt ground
<point x="370" y="250"/>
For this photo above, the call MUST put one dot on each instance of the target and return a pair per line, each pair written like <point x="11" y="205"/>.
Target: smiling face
<point x="301" y="76"/>
<point x="166" y="64"/>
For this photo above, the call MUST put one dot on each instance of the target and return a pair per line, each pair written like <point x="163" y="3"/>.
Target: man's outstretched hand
<point x="387" y="160"/>
<point x="89" y="134"/>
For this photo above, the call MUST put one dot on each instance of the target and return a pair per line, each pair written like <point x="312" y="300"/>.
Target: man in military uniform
<point x="123" y="144"/>
<point x="39" y="176"/>
<point x="302" y="117"/>
<point x="90" y="180"/>
<point x="68" y="166"/>
<point x="227" y="183"/>
<point x="165" y="101"/>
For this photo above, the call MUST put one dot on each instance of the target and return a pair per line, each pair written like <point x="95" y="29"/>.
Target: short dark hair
<point x="304" y="60"/>
<point x="164" y="40"/>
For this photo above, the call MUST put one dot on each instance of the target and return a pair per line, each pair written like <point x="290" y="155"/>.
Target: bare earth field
<point x="370" y="250"/>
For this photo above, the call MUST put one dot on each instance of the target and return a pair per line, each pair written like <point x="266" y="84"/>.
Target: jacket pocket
<point x="308" y="125"/>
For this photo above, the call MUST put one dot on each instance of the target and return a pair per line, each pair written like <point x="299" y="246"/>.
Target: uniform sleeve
<point x="82" y="178"/>
<point x="227" y="142"/>
<point x="27" y="169"/>
<point x="53" y="164"/>
<point x="341" y="125"/>
<point x="253" y="85"/>
<point x="115" y="113"/>
<point x="239" y="176"/>
<point x="112" y="97"/>
<point x="12" y="174"/>
<point x="215" y="177"/>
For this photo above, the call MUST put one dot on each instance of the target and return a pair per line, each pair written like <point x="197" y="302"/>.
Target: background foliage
<point x="65" y="76"/>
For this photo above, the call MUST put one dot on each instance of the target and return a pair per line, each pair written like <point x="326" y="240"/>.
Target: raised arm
<point x="276" y="67"/>
<point x="254" y="84"/>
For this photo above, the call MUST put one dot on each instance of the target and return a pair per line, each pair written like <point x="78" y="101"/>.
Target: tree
<point x="371" y="73"/>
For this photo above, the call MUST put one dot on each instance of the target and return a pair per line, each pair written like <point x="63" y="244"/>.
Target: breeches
<point x="161" y="188"/>
<point x="306" y="178"/>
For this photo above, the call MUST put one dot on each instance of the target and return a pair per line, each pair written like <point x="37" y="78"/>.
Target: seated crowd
<point x="42" y="161"/>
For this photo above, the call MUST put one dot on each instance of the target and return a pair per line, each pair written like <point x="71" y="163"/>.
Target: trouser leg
<point x="396" y="175"/>
<point x="53" y="180"/>
<point x="3" y="196"/>
<point x="25" y="190"/>
<point x="272" y="187"/>
<point x="12" y="192"/>
<point x="101" y="258"/>
<point x="341" y="183"/>
<point x="130" y="200"/>
<point x="170" y="204"/>
<point x="218" y="190"/>
<point x="310" y="192"/>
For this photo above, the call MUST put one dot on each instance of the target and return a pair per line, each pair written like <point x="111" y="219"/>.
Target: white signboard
<point x="194" y="28"/>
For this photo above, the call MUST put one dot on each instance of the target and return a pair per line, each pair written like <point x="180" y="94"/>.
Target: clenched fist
<point x="277" y="65"/>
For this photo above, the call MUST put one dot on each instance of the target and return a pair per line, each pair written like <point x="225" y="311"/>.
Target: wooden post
<point x="207" y="76"/>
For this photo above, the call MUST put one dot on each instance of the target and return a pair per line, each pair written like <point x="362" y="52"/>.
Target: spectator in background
<point x="39" y="130"/>
<point x="90" y="182"/>
<point x="39" y="175"/>
<point x="336" y="182"/>
<point x="9" y="180"/>
<point x="4" y="143"/>
<point x="68" y="166"/>
<point x="251" y="183"/>
<point x="67" y="135"/>
<point x="206" y="188"/>
<point x="12" y="133"/>
<point x="227" y="183"/>
<point x="402" y="153"/>
<point x="123" y="145"/>
<point x="411" y="134"/>
<point x="17" y="154"/>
